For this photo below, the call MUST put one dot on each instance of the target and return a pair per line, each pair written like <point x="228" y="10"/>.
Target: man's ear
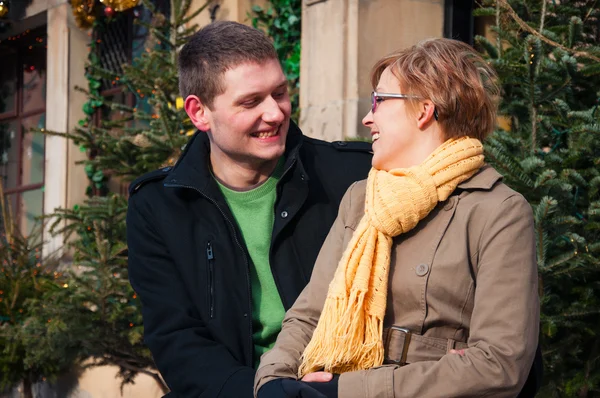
<point x="197" y="112"/>
<point x="425" y="113"/>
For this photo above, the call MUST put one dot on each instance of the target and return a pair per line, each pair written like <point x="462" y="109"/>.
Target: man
<point x="222" y="244"/>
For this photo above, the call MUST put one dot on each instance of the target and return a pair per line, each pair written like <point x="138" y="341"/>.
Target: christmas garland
<point x="98" y="180"/>
<point x="87" y="11"/>
<point x="3" y="8"/>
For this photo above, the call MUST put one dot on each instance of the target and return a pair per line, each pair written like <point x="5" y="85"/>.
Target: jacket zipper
<point x="275" y="277"/>
<point x="237" y="242"/>
<point x="211" y="279"/>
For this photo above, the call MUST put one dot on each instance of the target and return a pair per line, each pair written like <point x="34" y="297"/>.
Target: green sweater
<point x="254" y="212"/>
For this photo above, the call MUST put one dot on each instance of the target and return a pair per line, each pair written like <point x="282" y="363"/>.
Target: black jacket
<point x="190" y="266"/>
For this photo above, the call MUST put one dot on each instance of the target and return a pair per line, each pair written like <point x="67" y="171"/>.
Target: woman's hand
<point x="318" y="377"/>
<point x="324" y="382"/>
<point x="459" y="352"/>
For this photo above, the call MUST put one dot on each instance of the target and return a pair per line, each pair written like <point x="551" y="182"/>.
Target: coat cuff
<point x="269" y="372"/>
<point x="372" y="383"/>
<point x="238" y="385"/>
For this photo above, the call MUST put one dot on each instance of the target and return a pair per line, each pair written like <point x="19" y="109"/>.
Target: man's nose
<point x="273" y="112"/>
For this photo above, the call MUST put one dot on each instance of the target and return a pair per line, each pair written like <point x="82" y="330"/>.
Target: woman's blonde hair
<point x="454" y="77"/>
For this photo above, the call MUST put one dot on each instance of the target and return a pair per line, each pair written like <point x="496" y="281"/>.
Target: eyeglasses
<point x="376" y="98"/>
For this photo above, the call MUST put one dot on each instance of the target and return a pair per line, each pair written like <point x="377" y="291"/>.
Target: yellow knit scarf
<point x="348" y="336"/>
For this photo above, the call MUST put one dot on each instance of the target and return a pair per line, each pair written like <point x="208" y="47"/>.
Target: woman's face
<point x="400" y="139"/>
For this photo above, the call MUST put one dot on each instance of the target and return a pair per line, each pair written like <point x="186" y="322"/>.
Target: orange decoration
<point x="120" y="5"/>
<point x="83" y="10"/>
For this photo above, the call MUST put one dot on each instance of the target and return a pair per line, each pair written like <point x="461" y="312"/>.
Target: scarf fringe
<point x="353" y="343"/>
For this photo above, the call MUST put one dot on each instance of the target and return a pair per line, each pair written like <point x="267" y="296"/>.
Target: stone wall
<point x="341" y="40"/>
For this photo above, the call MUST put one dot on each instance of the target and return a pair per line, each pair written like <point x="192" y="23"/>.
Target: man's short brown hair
<point x="462" y="86"/>
<point x="214" y="49"/>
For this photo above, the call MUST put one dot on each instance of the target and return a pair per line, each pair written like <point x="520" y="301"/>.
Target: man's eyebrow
<point x="258" y="93"/>
<point x="246" y="96"/>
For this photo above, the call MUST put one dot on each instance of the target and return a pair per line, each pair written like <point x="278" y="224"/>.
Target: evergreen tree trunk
<point x="27" y="389"/>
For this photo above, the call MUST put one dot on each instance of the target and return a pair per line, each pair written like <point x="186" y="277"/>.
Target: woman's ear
<point x="197" y="112"/>
<point x="426" y="113"/>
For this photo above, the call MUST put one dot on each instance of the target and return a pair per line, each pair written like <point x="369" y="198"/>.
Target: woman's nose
<point x="367" y="121"/>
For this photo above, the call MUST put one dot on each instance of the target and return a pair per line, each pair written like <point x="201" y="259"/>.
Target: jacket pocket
<point x="210" y="261"/>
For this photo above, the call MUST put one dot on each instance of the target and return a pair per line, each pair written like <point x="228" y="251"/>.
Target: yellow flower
<point x="179" y="102"/>
<point x="190" y="132"/>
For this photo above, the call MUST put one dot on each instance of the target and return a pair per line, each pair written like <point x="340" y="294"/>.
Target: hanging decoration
<point x="109" y="12"/>
<point x="120" y="5"/>
<point x="83" y="10"/>
<point x="3" y="8"/>
<point x="86" y="11"/>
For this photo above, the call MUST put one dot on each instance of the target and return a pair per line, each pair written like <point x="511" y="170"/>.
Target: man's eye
<point x="249" y="103"/>
<point x="379" y="99"/>
<point x="279" y="95"/>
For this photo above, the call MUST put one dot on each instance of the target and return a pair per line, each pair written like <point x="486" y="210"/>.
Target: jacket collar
<point x="484" y="179"/>
<point x="193" y="168"/>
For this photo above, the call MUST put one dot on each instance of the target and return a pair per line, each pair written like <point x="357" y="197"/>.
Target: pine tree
<point x="547" y="57"/>
<point x="95" y="313"/>
<point x="24" y="276"/>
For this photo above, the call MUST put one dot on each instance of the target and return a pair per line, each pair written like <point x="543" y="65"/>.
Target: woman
<point x="427" y="283"/>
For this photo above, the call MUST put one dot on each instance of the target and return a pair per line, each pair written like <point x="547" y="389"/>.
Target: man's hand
<point x="318" y="377"/>
<point x="289" y="388"/>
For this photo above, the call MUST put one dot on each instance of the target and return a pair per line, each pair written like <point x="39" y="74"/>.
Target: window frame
<point x="16" y="115"/>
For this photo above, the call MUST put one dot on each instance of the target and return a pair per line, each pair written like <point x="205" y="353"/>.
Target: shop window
<point x="22" y="109"/>
<point x="121" y="41"/>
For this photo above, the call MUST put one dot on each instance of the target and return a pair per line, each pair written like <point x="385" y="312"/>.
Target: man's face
<point x="250" y="119"/>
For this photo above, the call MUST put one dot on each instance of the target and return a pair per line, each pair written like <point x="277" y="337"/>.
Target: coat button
<point x="284" y="214"/>
<point x="449" y="204"/>
<point x="422" y="269"/>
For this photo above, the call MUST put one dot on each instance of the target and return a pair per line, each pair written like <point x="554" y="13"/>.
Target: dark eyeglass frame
<point x="376" y="98"/>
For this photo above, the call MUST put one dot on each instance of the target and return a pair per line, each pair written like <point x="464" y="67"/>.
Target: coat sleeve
<point x="191" y="362"/>
<point x="301" y="320"/>
<point x="504" y="324"/>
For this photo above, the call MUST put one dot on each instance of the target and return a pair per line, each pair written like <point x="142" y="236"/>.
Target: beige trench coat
<point x="466" y="273"/>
